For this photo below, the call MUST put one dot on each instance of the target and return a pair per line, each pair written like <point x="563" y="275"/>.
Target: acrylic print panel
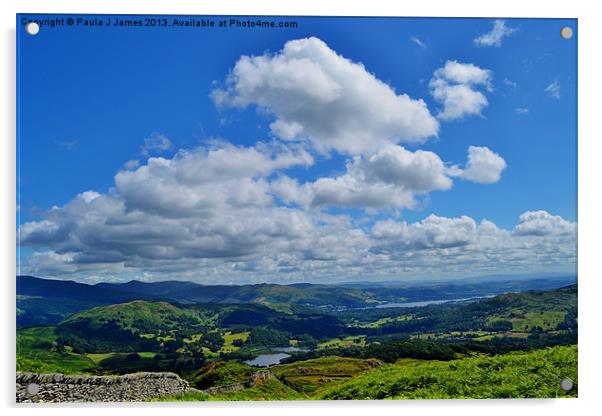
<point x="295" y="208"/>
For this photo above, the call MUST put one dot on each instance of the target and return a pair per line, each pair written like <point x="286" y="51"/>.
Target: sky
<point x="340" y="149"/>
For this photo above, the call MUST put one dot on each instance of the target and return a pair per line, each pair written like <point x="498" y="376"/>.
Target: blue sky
<point x="88" y="98"/>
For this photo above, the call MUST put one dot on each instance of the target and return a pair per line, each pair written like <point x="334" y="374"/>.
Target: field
<point x="349" y="341"/>
<point x="313" y="376"/>
<point x="35" y="353"/>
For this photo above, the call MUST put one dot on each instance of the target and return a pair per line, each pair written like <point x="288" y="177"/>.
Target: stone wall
<point x="127" y="388"/>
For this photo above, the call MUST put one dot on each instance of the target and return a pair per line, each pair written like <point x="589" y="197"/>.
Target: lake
<point x="266" y="360"/>
<point x="424" y="303"/>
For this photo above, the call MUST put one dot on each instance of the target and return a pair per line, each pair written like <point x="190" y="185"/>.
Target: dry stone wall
<point x="127" y="388"/>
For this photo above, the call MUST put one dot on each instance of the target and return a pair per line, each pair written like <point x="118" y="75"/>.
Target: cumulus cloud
<point x="155" y="143"/>
<point x="131" y="164"/>
<point x="97" y="235"/>
<point x="391" y="179"/>
<point x="483" y="166"/>
<point x="320" y="96"/>
<point x="206" y="178"/>
<point x="460" y="246"/>
<point x="50" y="262"/>
<point x="419" y="171"/>
<point x="456" y="86"/>
<point x="542" y="223"/>
<point x="553" y="90"/>
<point x="178" y="214"/>
<point x="432" y="232"/>
<point x="498" y="32"/>
<point x="222" y="212"/>
<point x="388" y="179"/>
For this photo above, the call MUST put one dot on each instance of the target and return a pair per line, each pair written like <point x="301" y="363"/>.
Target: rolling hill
<point x="47" y="301"/>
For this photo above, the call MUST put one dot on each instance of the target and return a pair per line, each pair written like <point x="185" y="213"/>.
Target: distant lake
<point x="266" y="360"/>
<point x="423" y="303"/>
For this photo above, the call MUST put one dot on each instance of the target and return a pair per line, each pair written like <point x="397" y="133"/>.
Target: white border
<point x="590" y="209"/>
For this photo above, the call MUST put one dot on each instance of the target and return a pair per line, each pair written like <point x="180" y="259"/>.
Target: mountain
<point x="47" y="302"/>
<point x="66" y="289"/>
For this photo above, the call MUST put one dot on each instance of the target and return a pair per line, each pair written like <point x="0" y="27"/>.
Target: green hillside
<point x="312" y="376"/>
<point x="135" y="316"/>
<point x="221" y="373"/>
<point x="38" y="351"/>
<point x="513" y="375"/>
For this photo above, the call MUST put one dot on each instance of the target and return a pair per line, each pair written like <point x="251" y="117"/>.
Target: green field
<point x="513" y="375"/>
<point x="36" y="352"/>
<point x="359" y="340"/>
<point x="383" y="321"/>
<point x="311" y="376"/>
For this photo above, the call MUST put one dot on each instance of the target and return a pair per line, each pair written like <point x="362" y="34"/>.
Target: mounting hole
<point x="32" y="28"/>
<point x="33" y="389"/>
<point x="566" y="384"/>
<point x="566" y="32"/>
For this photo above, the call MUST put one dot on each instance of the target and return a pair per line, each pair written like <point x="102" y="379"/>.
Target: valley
<point x="318" y="342"/>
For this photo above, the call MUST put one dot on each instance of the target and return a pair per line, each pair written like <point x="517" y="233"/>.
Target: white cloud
<point x="483" y="166"/>
<point x="455" y="87"/>
<point x="320" y="96"/>
<point x="419" y="171"/>
<point x="155" y="143"/>
<point x="100" y="237"/>
<point x="172" y="214"/>
<point x="418" y="42"/>
<point x="51" y="263"/>
<point x="131" y="164"/>
<point x="464" y="249"/>
<point x="432" y="232"/>
<point x="510" y="83"/>
<point x="522" y="110"/>
<point x="206" y="178"/>
<point x="542" y="223"/>
<point x="224" y="212"/>
<point x="553" y="90"/>
<point x="40" y="232"/>
<point x="388" y="179"/>
<point x="496" y="35"/>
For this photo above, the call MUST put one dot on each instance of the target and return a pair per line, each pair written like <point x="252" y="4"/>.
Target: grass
<point x="535" y="374"/>
<point x="130" y="314"/>
<point x="384" y="321"/>
<point x="101" y="358"/>
<point x="349" y="341"/>
<point x="183" y="397"/>
<point x="230" y="337"/>
<point x="221" y="373"/>
<point x="36" y="353"/>
<point x="269" y="390"/>
<point x="547" y="320"/>
<point x="453" y="335"/>
<point x="311" y="376"/>
<point x="228" y="347"/>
